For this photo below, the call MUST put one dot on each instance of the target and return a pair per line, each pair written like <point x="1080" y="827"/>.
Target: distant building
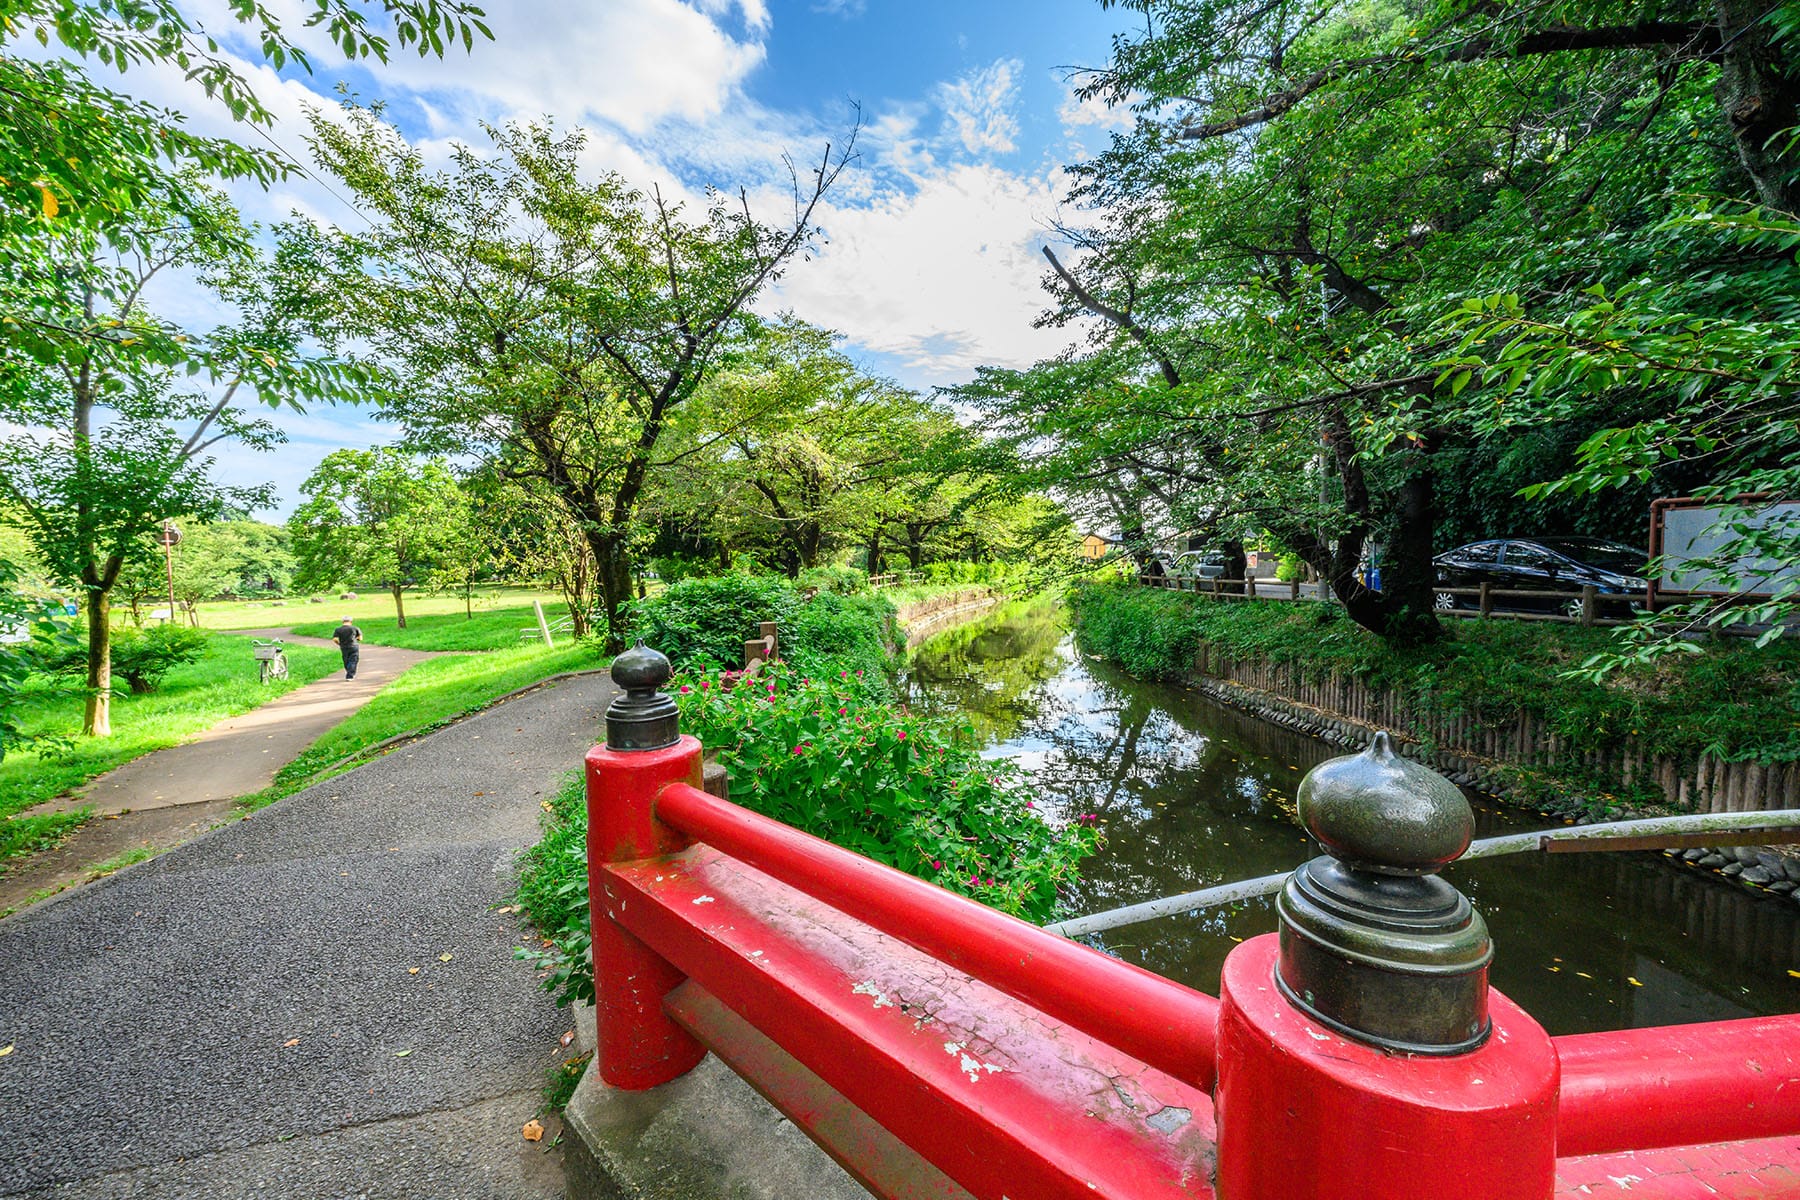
<point x="1096" y="545"/>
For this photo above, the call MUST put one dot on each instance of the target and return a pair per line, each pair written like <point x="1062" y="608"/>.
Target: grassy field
<point x="492" y="629"/>
<point x="427" y="695"/>
<point x="372" y="607"/>
<point x="193" y="697"/>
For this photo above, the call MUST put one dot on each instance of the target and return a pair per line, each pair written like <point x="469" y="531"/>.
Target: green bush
<point x="831" y="634"/>
<point x="141" y="657"/>
<point x="673" y="568"/>
<point x="819" y="755"/>
<point x="703" y="623"/>
<point x="845" y="581"/>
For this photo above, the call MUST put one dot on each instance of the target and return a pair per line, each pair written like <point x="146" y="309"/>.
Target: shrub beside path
<point x="317" y="1001"/>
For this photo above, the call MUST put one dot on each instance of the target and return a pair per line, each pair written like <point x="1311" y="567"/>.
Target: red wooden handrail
<point x="1678" y="1085"/>
<point x="1159" y="1022"/>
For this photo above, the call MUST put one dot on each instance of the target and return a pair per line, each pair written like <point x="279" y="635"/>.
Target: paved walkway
<point x="240" y="1016"/>
<point x="171" y="796"/>
<point x="241" y="754"/>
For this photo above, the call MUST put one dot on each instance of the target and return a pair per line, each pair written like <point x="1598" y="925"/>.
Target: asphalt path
<point x="319" y="1001"/>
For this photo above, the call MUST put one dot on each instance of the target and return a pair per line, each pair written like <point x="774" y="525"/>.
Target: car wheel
<point x="1444" y="602"/>
<point x="1572" y="609"/>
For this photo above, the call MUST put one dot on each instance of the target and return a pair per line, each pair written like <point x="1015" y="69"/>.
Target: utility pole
<point x="170" y="537"/>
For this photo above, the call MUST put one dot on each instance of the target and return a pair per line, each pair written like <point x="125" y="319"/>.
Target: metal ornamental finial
<point x="1373" y="943"/>
<point x="642" y="718"/>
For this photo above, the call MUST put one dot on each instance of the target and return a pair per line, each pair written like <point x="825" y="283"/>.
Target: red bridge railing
<point x="936" y="1047"/>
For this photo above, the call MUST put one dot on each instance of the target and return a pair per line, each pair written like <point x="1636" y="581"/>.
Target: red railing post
<point x="639" y="1046"/>
<point x="1360" y="1051"/>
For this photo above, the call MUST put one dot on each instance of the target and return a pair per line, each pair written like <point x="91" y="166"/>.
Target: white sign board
<point x="1682" y="531"/>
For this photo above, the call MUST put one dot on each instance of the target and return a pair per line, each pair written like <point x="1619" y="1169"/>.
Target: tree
<point x="111" y="445"/>
<point x="376" y="515"/>
<point x="556" y="325"/>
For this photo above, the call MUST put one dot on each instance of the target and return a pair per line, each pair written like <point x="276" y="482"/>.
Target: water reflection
<point x="1190" y="793"/>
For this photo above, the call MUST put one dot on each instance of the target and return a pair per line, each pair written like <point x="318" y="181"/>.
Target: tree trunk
<point x="468" y="596"/>
<point x="399" y="606"/>
<point x="612" y="570"/>
<point x="1760" y="98"/>
<point x="874" y="563"/>
<point x="1408" y="576"/>
<point x="96" y="720"/>
<point x="1237" y="563"/>
<point x="915" y="547"/>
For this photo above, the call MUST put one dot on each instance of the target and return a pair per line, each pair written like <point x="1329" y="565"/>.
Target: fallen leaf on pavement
<point x="401" y="1053"/>
<point x="507" y="908"/>
<point x="291" y="1042"/>
<point x="533" y="1131"/>
<point x="566" y="1038"/>
<point x="412" y="970"/>
<point x="6" y="1049"/>
<point x="445" y="957"/>
<point x="481" y="793"/>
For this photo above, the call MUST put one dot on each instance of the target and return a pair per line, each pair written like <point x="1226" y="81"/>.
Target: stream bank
<point x="1191" y="793"/>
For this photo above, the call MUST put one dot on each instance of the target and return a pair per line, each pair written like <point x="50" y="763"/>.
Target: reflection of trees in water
<point x="1191" y="793"/>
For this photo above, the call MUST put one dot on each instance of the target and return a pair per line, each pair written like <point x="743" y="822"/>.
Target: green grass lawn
<point x="370" y="607"/>
<point x="492" y="629"/>
<point x="429" y="694"/>
<point x="193" y="697"/>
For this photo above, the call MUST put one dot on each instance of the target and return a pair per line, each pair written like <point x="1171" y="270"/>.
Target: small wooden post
<point x="1294" y="588"/>
<point x="1487" y="598"/>
<point x="543" y="625"/>
<point x="1590" y="603"/>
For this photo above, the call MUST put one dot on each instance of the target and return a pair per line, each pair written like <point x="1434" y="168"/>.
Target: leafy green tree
<point x="376" y="515"/>
<point x="556" y="325"/>
<point x="112" y="444"/>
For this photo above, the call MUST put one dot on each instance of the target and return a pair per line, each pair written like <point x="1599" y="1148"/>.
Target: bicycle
<point x="271" y="660"/>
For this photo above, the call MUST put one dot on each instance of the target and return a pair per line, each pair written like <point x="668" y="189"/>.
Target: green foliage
<point x="703" y="623"/>
<point x="142" y="657"/>
<point x="915" y="794"/>
<point x="819" y="755"/>
<point x="49" y="636"/>
<point x="492" y="629"/>
<point x="845" y="581"/>
<point x="553" y="888"/>
<point x="1734" y="699"/>
<point x="831" y="634"/>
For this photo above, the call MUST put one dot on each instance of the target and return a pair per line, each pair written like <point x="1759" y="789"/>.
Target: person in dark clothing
<point x="348" y="638"/>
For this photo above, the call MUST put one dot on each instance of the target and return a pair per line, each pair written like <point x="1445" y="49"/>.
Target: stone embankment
<point x="1489" y="757"/>
<point x="924" y="618"/>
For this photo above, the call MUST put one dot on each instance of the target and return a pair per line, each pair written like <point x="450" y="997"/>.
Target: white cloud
<point x="977" y="106"/>
<point x="632" y="63"/>
<point x="944" y="277"/>
<point x="1077" y="113"/>
<point x="846" y="9"/>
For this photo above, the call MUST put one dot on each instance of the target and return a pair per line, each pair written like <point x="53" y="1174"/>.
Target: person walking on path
<point x="348" y="636"/>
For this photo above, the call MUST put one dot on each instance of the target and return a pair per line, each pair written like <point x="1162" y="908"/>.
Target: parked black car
<point x="1544" y="564"/>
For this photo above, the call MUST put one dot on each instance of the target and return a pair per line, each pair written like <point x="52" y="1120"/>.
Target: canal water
<point x="1191" y="793"/>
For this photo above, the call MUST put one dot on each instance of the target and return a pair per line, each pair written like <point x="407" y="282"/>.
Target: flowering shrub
<point x="822" y="756"/>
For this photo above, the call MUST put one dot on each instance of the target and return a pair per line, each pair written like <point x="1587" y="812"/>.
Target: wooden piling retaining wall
<point x="1459" y="744"/>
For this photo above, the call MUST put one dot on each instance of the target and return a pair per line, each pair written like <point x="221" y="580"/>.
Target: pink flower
<point x="937" y="865"/>
<point x="842" y="711"/>
<point x="685" y="689"/>
<point x="846" y="674"/>
<point x="799" y="748"/>
<point x="859" y="674"/>
<point x="704" y="685"/>
<point x="902" y="735"/>
<point x="1030" y="804"/>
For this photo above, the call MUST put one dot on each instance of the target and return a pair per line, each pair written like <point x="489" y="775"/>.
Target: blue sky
<point x="932" y="255"/>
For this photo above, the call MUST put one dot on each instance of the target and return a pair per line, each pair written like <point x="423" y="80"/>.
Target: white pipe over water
<point x="1512" y="843"/>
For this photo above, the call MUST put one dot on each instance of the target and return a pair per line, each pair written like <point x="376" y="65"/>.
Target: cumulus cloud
<point x="978" y="106"/>
<point x="1077" y="113"/>
<point x="943" y="276"/>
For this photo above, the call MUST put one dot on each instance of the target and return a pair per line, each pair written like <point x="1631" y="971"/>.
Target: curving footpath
<point x="319" y="1001"/>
